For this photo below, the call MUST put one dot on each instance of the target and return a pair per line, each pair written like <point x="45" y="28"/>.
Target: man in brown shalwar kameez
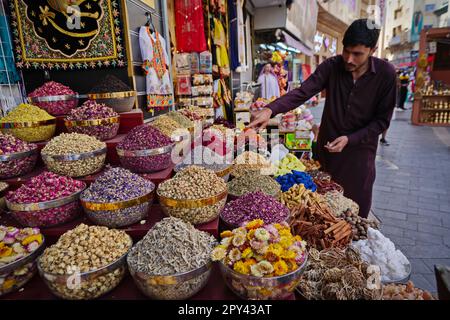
<point x="360" y="99"/>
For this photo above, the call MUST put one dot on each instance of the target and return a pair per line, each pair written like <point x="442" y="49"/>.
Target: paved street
<point x="412" y="194"/>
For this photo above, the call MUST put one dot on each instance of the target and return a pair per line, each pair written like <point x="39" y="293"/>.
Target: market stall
<point x="97" y="204"/>
<point x="432" y="98"/>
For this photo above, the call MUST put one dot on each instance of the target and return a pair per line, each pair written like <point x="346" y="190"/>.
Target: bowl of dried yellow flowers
<point x="261" y="261"/>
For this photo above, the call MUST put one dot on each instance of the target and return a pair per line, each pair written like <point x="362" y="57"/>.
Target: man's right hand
<point x="260" y="119"/>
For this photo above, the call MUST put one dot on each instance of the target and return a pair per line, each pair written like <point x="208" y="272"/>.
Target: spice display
<point x="110" y="84"/>
<point x="170" y="248"/>
<point x="405" y="292"/>
<point x="339" y="204"/>
<point x="295" y="178"/>
<point x="94" y="119"/>
<point x="45" y="188"/>
<point x="251" y="161"/>
<point x="18" y="244"/>
<point x="335" y="274"/>
<point x="254" y="205"/>
<point x="312" y="219"/>
<point x="318" y="175"/>
<point x="324" y="187"/>
<point x="252" y="182"/>
<point x="207" y="158"/>
<point x="118" y="198"/>
<point x="311" y="165"/>
<point x="55" y="98"/>
<point x="360" y="226"/>
<point x="145" y="138"/>
<point x="17" y="157"/>
<point x="191" y="114"/>
<point x="167" y="126"/>
<point x="29" y="123"/>
<point x="288" y="164"/>
<point x="381" y="251"/>
<point x="74" y="154"/>
<point x="181" y="119"/>
<point x="261" y="261"/>
<point x="86" y="250"/>
<point x="194" y="194"/>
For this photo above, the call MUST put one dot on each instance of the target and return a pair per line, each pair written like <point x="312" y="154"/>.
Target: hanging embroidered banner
<point x="67" y="34"/>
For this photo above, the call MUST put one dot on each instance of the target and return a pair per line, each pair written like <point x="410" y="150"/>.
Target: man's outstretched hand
<point x="260" y="119"/>
<point x="337" y="145"/>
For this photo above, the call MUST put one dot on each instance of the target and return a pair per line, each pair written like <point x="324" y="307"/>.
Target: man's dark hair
<point x="361" y="32"/>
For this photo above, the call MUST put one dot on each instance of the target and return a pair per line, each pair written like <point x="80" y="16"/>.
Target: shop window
<point x="442" y="59"/>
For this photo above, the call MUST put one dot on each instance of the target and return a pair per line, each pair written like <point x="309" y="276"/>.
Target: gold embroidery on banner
<point x="25" y="59"/>
<point x="45" y="13"/>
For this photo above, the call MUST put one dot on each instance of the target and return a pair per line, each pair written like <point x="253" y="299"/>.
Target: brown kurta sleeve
<point x="383" y="114"/>
<point x="312" y="86"/>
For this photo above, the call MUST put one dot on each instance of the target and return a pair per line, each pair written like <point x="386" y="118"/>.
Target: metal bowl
<point x="195" y="211"/>
<point x="403" y="280"/>
<point x="145" y="161"/>
<point x="118" y="214"/>
<point x="47" y="213"/>
<point x="30" y="131"/>
<point x="76" y="165"/>
<point x="86" y="285"/>
<point x="222" y="172"/>
<point x="18" y="163"/>
<point x="56" y="105"/>
<point x="120" y="101"/>
<point x="178" y="286"/>
<point x="255" y="288"/>
<point x="102" y="129"/>
<point x="16" y="274"/>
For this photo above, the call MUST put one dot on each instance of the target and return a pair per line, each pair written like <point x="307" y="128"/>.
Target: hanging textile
<point x="241" y="33"/>
<point x="189" y="26"/>
<point x="8" y="71"/>
<point x="159" y="86"/>
<point x="220" y="41"/>
<point x="234" y="38"/>
<point x="67" y="34"/>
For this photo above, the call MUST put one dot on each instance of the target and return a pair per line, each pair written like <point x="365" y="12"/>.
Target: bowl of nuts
<point x="17" y="157"/>
<point x="118" y="198"/>
<point x="86" y="262"/>
<point x="46" y="200"/>
<point x="195" y="195"/>
<point x="172" y="261"/>
<point x="19" y="249"/>
<point x="222" y="170"/>
<point x="74" y="155"/>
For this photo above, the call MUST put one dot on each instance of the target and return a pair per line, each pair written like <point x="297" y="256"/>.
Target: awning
<point x="291" y="42"/>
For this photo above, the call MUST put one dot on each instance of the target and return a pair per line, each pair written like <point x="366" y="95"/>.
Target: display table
<point x="215" y="289"/>
<point x="136" y="231"/>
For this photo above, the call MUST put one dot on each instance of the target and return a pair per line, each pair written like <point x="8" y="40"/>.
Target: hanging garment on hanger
<point x="220" y="41"/>
<point x="189" y="26"/>
<point x="159" y="85"/>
